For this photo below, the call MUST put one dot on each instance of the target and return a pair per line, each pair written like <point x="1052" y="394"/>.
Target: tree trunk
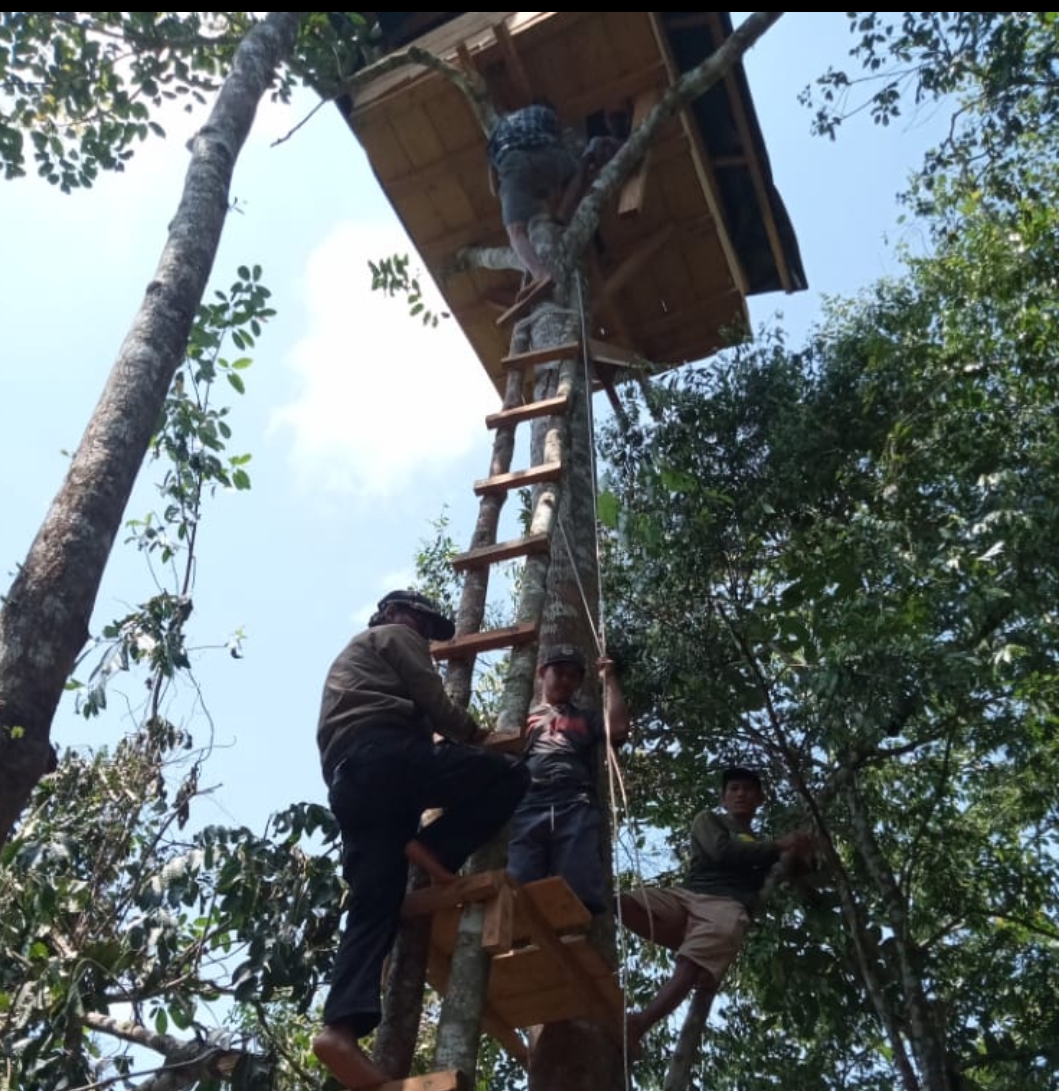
<point x="678" y="1074"/>
<point x="45" y="617"/>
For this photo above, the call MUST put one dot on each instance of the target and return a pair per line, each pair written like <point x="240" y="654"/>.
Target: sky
<point x="363" y="426"/>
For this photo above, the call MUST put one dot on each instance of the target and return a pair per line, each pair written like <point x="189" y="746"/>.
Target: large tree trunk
<point x="45" y="617"/>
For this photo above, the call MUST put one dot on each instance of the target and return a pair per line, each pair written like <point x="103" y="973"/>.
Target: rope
<point x="615" y="780"/>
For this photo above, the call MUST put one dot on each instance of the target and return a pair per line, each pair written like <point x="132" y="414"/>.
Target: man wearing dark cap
<point x="383" y="702"/>
<point x="557" y="828"/>
<point x="705" y="918"/>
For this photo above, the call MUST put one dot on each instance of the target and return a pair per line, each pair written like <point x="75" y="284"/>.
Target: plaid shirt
<point x="530" y="127"/>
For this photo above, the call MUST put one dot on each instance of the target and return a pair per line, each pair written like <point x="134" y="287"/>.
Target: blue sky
<point x="362" y="425"/>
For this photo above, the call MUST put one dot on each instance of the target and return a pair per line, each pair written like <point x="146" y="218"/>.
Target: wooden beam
<point x="462" y="647"/>
<point x="634" y="262"/>
<point x="570" y="351"/>
<point x="501" y="551"/>
<point x="703" y="169"/>
<point x="604" y="95"/>
<point x="630" y="202"/>
<point x="757" y="174"/>
<point x="514" y="63"/>
<point x="548" y="407"/>
<point x="518" y="479"/>
<point x="603" y="352"/>
<point x="480" y="887"/>
<point x="499" y="922"/>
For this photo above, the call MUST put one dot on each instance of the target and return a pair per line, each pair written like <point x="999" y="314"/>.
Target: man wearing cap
<point x="705" y="918"/>
<point x="557" y="828"/>
<point x="383" y="702"/>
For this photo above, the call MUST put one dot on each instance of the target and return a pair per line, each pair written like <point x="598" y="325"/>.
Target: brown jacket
<point x="385" y="675"/>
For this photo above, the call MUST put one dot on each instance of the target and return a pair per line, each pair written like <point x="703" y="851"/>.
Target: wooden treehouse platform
<point x="699" y="229"/>
<point x="543" y="966"/>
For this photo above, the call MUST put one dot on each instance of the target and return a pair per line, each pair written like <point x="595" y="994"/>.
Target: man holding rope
<point x="557" y="827"/>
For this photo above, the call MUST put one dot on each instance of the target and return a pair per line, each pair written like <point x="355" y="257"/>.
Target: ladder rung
<point x="570" y="351"/>
<point x="548" y="471"/>
<point x="547" y="408"/>
<point x="502" y="551"/>
<point x="461" y="647"/>
<point x="533" y="292"/>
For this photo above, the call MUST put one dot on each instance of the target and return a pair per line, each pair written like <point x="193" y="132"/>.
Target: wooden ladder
<point x="535" y="546"/>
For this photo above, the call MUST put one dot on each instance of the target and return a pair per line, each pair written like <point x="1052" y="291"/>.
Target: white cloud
<point x="384" y="398"/>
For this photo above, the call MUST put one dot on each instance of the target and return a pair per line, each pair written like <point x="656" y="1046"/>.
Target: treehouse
<point x="695" y="231"/>
<point x="698" y="229"/>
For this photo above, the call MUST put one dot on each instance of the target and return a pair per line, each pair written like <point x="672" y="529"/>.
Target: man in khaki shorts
<point x="705" y="919"/>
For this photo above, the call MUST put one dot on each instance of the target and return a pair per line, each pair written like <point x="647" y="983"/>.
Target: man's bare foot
<point x="635" y="1029"/>
<point x="337" y="1050"/>
<point x="422" y="857"/>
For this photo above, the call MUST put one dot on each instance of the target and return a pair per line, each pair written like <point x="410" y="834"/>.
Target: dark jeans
<point x="379" y="790"/>
<point x="560" y="839"/>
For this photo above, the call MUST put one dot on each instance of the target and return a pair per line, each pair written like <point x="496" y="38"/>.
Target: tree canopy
<point x="832" y="560"/>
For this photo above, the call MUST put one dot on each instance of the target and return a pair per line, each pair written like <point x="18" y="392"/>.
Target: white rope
<point x="615" y="780"/>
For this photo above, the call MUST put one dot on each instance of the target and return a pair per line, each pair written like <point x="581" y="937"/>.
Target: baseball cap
<point x="564" y="653"/>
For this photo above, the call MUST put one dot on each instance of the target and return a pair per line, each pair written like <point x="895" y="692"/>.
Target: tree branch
<point x="628" y="157"/>
<point x="470" y="84"/>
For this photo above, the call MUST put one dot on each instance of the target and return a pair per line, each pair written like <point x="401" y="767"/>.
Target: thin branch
<point x="470" y="84"/>
<point x="304" y="121"/>
<point x="691" y="84"/>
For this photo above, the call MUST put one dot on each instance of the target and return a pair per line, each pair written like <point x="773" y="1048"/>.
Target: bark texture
<point x="45" y="616"/>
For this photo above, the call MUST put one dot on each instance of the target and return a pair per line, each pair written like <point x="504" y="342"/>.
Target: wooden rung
<point x="460" y="647"/>
<point x="570" y="351"/>
<point x="502" y="551"/>
<point x="533" y="292"/>
<point x="605" y="352"/>
<point x="480" y="887"/>
<point x="450" y="1080"/>
<point x="504" y="742"/>
<point x="549" y="407"/>
<point x="549" y="471"/>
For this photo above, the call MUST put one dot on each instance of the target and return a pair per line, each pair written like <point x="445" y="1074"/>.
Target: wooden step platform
<point x="544" y="968"/>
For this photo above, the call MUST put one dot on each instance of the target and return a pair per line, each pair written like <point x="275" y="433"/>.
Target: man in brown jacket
<point x="705" y="918"/>
<point x="383" y="703"/>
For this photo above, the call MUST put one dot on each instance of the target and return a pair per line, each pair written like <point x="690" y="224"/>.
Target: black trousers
<point x="379" y="790"/>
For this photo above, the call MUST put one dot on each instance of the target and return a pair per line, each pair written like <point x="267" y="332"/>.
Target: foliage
<point x="191" y="439"/>
<point x="117" y="926"/>
<point x="995" y="70"/>
<point x="79" y="90"/>
<point x="391" y="276"/>
<point x="835" y="563"/>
